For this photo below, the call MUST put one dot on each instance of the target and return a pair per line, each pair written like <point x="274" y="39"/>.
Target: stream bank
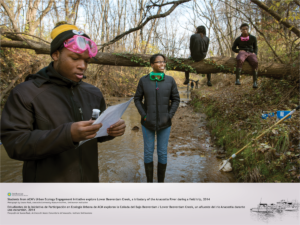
<point x="234" y="118"/>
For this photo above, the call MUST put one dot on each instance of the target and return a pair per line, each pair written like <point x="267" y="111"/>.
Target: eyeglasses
<point x="159" y="62"/>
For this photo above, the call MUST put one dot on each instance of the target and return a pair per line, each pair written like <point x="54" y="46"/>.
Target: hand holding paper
<point x="84" y="130"/>
<point x="110" y="117"/>
<point x="117" y="129"/>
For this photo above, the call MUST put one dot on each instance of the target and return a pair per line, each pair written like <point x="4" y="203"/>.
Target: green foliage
<point x="136" y="59"/>
<point x="220" y="67"/>
<point x="178" y="63"/>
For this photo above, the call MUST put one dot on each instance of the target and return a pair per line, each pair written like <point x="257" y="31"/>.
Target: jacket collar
<point x="248" y="35"/>
<point x="49" y="74"/>
<point x="57" y="78"/>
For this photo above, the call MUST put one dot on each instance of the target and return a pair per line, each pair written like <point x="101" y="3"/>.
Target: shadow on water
<point x="121" y="160"/>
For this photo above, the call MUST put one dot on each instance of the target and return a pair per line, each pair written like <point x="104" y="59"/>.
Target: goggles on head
<point x="158" y="77"/>
<point x="80" y="44"/>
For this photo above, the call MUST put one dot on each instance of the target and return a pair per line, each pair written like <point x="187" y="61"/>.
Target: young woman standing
<point x="158" y="91"/>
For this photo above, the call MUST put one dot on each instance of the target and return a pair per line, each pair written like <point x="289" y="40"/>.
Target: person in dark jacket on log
<point x="247" y="50"/>
<point x="46" y="117"/>
<point x="156" y="112"/>
<point x="199" y="47"/>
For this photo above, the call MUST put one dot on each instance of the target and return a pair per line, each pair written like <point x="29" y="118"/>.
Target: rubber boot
<point x="161" y="170"/>
<point x="187" y="78"/>
<point x="237" y="76"/>
<point x="208" y="79"/>
<point x="149" y="172"/>
<point x="255" y="72"/>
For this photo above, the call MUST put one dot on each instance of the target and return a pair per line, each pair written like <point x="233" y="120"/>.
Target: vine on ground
<point x="178" y="63"/>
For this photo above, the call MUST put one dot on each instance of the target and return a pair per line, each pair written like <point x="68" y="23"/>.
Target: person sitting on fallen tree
<point x="198" y="46"/>
<point x="247" y="50"/>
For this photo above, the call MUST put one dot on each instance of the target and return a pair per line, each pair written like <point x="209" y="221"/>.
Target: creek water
<point x="121" y="160"/>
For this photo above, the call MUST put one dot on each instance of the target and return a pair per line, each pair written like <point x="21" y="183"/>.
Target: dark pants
<point x="250" y="57"/>
<point x="187" y="74"/>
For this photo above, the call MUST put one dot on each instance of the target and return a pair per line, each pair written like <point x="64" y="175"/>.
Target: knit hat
<point x="61" y="32"/>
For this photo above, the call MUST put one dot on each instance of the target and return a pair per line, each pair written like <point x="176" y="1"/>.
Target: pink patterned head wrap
<point x="245" y="38"/>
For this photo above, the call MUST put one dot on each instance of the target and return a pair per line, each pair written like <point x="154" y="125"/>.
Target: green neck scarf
<point x="156" y="76"/>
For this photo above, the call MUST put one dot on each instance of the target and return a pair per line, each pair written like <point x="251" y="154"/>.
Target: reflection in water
<point x="121" y="160"/>
<point x="283" y="217"/>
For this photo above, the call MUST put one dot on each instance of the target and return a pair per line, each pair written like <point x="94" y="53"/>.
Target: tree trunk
<point x="271" y="70"/>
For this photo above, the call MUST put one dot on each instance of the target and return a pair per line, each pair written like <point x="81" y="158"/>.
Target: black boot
<point x="255" y="72"/>
<point x="149" y="172"/>
<point x="237" y="76"/>
<point x="208" y="79"/>
<point x="187" y="78"/>
<point x="161" y="170"/>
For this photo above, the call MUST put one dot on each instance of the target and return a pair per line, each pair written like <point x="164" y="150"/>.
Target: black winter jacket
<point x="156" y="104"/>
<point x="198" y="46"/>
<point x="248" y="46"/>
<point x="36" y="128"/>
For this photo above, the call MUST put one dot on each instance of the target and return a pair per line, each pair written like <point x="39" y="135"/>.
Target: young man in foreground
<point x="46" y="117"/>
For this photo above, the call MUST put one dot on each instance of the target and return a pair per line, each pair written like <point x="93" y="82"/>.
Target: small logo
<point x="8" y="194"/>
<point x="78" y="32"/>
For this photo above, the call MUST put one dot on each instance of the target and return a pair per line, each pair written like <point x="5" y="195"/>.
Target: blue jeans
<point x="162" y="144"/>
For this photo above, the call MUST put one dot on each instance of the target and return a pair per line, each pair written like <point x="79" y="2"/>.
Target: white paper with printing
<point x="109" y="117"/>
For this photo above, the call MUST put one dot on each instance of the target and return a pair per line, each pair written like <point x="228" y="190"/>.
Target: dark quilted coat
<point x="161" y="100"/>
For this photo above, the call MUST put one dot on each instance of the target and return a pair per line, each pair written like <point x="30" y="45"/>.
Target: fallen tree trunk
<point x="210" y="65"/>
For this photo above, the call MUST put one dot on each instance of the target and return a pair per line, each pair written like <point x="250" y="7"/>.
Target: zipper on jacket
<point x="80" y="111"/>
<point x="156" y="106"/>
<point x="76" y="119"/>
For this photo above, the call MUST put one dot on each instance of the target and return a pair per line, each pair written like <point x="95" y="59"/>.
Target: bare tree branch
<point x="296" y="2"/>
<point x="39" y="48"/>
<point x="117" y="38"/>
<point x="44" y="13"/>
<point x="150" y="32"/>
<point x="167" y="3"/>
<point x="277" y="17"/>
<point x="10" y="15"/>
<point x="27" y="35"/>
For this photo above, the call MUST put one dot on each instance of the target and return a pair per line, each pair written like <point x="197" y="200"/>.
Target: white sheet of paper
<point x="109" y="117"/>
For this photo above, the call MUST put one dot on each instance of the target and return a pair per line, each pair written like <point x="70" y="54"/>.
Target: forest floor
<point x="234" y="119"/>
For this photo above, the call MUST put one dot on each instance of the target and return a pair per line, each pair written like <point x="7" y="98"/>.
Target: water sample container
<point x="96" y="113"/>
